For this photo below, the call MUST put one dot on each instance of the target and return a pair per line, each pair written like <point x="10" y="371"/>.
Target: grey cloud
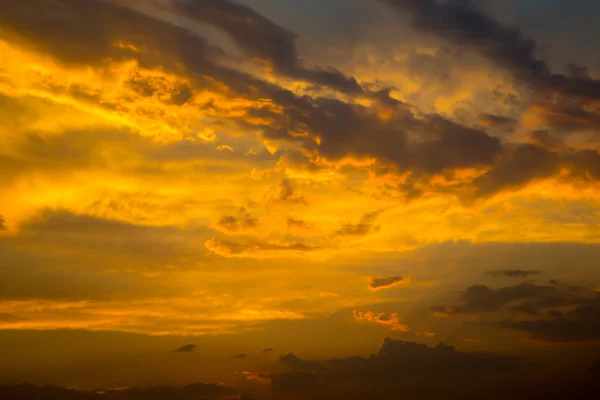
<point x="415" y="370"/>
<point x="235" y="224"/>
<point x="295" y="223"/>
<point x="262" y="38"/>
<point x="364" y="227"/>
<point x="267" y="350"/>
<point x="559" y="330"/>
<point x="250" y="246"/>
<point x="297" y="363"/>
<point x="498" y="121"/>
<point x="377" y="283"/>
<point x="332" y="129"/>
<point x="188" y="348"/>
<point x="461" y="23"/>
<point x="481" y="298"/>
<point x="513" y="273"/>
<point x="547" y="140"/>
<point x="517" y="166"/>
<point x="343" y="129"/>
<point x="286" y="192"/>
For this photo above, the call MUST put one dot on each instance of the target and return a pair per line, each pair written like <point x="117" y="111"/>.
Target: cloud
<point x="263" y="39"/>
<point x="297" y="224"/>
<point x="384" y="283"/>
<point x="513" y="273"/>
<point x="2" y="223"/>
<point x="571" y="317"/>
<point x="498" y="121"/>
<point x="267" y="350"/>
<point x="188" y="348"/>
<point x="516" y="167"/>
<point x="240" y="356"/>
<point x="480" y="298"/>
<point x="249" y="247"/>
<point x="461" y="23"/>
<point x="294" y="362"/>
<point x="233" y="224"/>
<point x="364" y="227"/>
<point x="399" y="366"/>
<point x="388" y="319"/>
<point x="286" y="192"/>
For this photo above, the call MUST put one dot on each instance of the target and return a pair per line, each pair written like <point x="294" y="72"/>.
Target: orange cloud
<point x="391" y="320"/>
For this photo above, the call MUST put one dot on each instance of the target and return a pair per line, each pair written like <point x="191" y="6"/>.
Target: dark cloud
<point x="559" y="330"/>
<point x="293" y="361"/>
<point x="286" y="192"/>
<point x="263" y="39"/>
<point x="513" y="273"/>
<point x="295" y="382"/>
<point x="267" y="350"/>
<point x="517" y="166"/>
<point x="480" y="298"/>
<point x="240" y="356"/>
<point x="572" y="317"/>
<point x="461" y="23"/>
<point x="295" y="223"/>
<point x="534" y="307"/>
<point x="378" y="283"/>
<point x="407" y="140"/>
<point x="547" y="140"/>
<point x="365" y="227"/>
<point x="188" y="348"/>
<point x="498" y="121"/>
<point x="415" y="370"/>
<point x="249" y="246"/>
<point x="2" y="223"/>
<point x="234" y="224"/>
<point x="329" y="128"/>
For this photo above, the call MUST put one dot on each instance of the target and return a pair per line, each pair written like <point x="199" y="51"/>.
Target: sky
<point x="258" y="192"/>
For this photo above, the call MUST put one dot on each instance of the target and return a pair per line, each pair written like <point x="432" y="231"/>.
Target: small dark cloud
<point x="237" y="224"/>
<point x="381" y="283"/>
<point x="233" y="248"/>
<point x="513" y="273"/>
<point x="364" y="227"/>
<point x="286" y="192"/>
<point x="497" y="121"/>
<point x="188" y="348"/>
<point x="2" y="223"/>
<point x="240" y="356"/>
<point x="267" y="350"/>
<point x="298" y="224"/>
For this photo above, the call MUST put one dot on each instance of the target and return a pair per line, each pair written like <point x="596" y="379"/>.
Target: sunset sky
<point x="295" y="176"/>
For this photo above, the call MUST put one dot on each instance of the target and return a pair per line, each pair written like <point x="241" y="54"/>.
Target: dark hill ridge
<point x="197" y="391"/>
